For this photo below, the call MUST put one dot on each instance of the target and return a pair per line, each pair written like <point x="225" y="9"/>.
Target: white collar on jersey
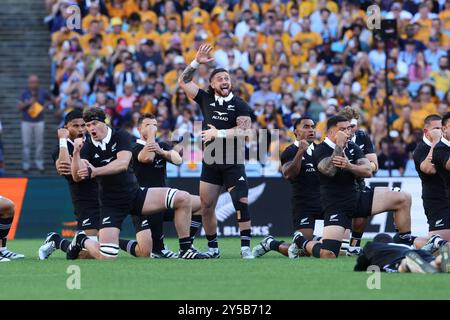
<point x="330" y="143"/>
<point x="70" y="141"/>
<point x="140" y="141"/>
<point x="222" y="99"/>
<point x="427" y="142"/>
<point x="353" y="139"/>
<point x="445" y="141"/>
<point x="102" y="144"/>
<point x="297" y="143"/>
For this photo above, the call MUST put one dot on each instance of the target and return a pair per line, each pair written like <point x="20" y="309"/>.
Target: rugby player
<point x="436" y="208"/>
<point x="84" y="194"/>
<point x="339" y="163"/>
<point x="298" y="169"/>
<point x="226" y="117"/>
<point x="441" y="161"/>
<point x="149" y="164"/>
<point x="106" y="155"/>
<point x="393" y="257"/>
<point x="6" y="219"/>
<point x="363" y="141"/>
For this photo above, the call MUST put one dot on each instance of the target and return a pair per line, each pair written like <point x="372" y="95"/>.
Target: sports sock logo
<point x="106" y="220"/>
<point x="333" y="218"/>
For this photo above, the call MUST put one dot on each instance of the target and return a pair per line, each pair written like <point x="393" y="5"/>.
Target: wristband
<point x="194" y="64"/>
<point x="63" y="143"/>
<point x="222" y="133"/>
<point x="89" y="172"/>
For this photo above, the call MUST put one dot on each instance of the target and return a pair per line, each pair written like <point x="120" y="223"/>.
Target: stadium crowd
<point x="287" y="59"/>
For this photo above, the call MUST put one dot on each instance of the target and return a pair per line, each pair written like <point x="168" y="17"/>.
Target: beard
<point x="223" y="90"/>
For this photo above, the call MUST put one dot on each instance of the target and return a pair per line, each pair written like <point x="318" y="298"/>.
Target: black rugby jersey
<point x="150" y="175"/>
<point x="433" y="188"/>
<point x="305" y="187"/>
<point x="84" y="194"/>
<point x="338" y="193"/>
<point x="222" y="112"/>
<point x="115" y="189"/>
<point x="441" y="154"/>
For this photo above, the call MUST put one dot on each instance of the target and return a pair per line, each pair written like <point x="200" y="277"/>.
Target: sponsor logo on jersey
<point x="220" y="116"/>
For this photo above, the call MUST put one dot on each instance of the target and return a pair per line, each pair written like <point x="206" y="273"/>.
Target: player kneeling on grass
<point x="106" y="155"/>
<point x="6" y="219"/>
<point x="149" y="163"/>
<point x="339" y="163"/>
<point x="84" y="194"/>
<point x="393" y="257"/>
<point x="297" y="168"/>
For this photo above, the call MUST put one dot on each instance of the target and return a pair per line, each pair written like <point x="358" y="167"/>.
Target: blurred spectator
<point x="264" y="94"/>
<point x="32" y="103"/>
<point x="441" y="77"/>
<point x="389" y="157"/>
<point x="125" y="103"/>
<point x="434" y="53"/>
<point x="303" y="57"/>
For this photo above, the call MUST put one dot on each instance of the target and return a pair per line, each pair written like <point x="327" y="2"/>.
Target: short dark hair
<point x="383" y="238"/>
<point x="216" y="71"/>
<point x="94" y="113"/>
<point x="445" y="118"/>
<point x="299" y="120"/>
<point x="72" y="115"/>
<point x="333" y="121"/>
<point x="432" y="117"/>
<point x="144" y="116"/>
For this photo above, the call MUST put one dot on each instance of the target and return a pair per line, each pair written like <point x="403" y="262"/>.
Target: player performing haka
<point x="362" y="140"/>
<point x="84" y="194"/>
<point x="392" y="257"/>
<point x="106" y="155"/>
<point x="6" y="219"/>
<point x="441" y="160"/>
<point x="339" y="162"/>
<point x="436" y="208"/>
<point x="226" y="117"/>
<point x="298" y="168"/>
<point x="149" y="163"/>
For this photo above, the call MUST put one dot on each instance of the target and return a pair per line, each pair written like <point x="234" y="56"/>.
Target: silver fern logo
<point x="225" y="208"/>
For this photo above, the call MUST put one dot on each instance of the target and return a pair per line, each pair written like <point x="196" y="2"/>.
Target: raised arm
<point x="185" y="80"/>
<point x="78" y="165"/>
<point x="361" y="169"/>
<point x="292" y="168"/>
<point x="116" y="166"/>
<point x="63" y="163"/>
<point x="427" y="166"/>
<point x="147" y="155"/>
<point x="170" y="155"/>
<point x="326" y="165"/>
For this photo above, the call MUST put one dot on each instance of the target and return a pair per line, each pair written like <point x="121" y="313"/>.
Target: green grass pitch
<point x="230" y="278"/>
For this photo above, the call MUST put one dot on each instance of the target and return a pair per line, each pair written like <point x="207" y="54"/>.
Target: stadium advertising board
<point x="46" y="206"/>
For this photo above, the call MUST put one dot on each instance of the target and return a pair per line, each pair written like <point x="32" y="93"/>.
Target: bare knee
<point x="7" y="208"/>
<point x="182" y="200"/>
<point x="143" y="251"/>
<point x="207" y="207"/>
<point x="404" y="199"/>
<point x="327" y="254"/>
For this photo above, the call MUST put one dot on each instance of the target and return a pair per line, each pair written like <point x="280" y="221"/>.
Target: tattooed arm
<point x="326" y="165"/>
<point x="185" y="80"/>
